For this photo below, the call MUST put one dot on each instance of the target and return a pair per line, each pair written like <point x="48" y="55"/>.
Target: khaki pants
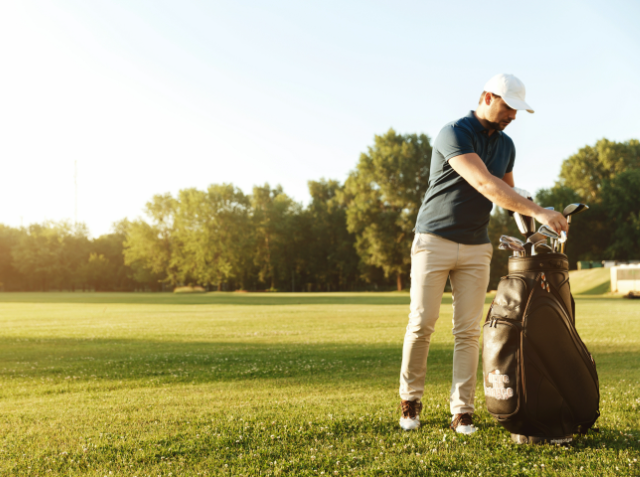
<point x="433" y="259"/>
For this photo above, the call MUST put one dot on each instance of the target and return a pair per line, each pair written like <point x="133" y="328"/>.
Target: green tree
<point x="10" y="278"/>
<point x="214" y="231"/>
<point x="151" y="249"/>
<point x="585" y="171"/>
<point x="49" y="255"/>
<point x="115" y="275"/>
<point x="383" y="195"/>
<point x="558" y="197"/>
<point x="331" y="260"/>
<point x="620" y="199"/>
<point x="276" y="243"/>
<point x="97" y="273"/>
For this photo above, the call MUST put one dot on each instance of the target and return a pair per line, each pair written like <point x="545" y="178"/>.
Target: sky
<point x="150" y="97"/>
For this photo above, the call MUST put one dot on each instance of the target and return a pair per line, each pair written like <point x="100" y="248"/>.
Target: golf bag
<point x="539" y="379"/>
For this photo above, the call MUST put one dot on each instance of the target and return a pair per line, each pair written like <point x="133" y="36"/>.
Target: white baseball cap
<point x="510" y="89"/>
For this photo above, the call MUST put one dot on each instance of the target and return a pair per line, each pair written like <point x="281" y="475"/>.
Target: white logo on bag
<point x="499" y="390"/>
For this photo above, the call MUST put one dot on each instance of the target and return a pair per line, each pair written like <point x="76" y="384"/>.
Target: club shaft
<point x="562" y="244"/>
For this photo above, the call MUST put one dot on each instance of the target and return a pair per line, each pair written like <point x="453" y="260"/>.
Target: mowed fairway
<point x="270" y="384"/>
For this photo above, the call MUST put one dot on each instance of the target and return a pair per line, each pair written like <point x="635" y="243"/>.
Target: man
<point x="471" y="168"/>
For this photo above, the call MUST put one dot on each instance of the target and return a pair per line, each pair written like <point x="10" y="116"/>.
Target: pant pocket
<point x="420" y="243"/>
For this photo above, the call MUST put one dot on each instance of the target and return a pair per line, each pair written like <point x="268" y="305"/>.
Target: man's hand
<point x="553" y="219"/>
<point x="475" y="172"/>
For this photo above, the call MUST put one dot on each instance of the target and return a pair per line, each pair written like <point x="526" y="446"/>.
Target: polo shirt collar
<point x="477" y="125"/>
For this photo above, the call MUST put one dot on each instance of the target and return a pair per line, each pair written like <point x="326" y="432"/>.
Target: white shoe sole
<point x="409" y="424"/>
<point x="466" y="430"/>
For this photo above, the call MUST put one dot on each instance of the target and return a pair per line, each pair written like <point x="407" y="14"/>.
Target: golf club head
<point x="537" y="237"/>
<point x="540" y="239"/>
<point x="508" y="238"/>
<point x="548" y="232"/>
<point x="526" y="225"/>
<point x="569" y="211"/>
<point x="532" y="225"/>
<point x="563" y="237"/>
<point x="543" y="248"/>
<point x="511" y="246"/>
<point x="573" y="209"/>
<point x="521" y="223"/>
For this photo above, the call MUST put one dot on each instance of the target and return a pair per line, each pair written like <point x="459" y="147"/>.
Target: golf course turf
<point x="111" y="384"/>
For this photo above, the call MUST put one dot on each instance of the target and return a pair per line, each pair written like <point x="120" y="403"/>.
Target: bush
<point x="189" y="289"/>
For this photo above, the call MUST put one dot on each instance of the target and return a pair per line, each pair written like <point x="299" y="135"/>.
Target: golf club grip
<point x="562" y="244"/>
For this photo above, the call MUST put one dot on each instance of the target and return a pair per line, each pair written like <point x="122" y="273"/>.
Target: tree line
<point x="351" y="236"/>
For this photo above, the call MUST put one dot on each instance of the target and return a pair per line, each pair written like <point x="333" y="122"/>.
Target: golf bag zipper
<point x="493" y="322"/>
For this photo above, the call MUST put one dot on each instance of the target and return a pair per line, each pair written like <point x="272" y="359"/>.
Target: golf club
<point x="550" y="208"/>
<point x="537" y="237"/>
<point x="569" y="211"/>
<point x="508" y="238"/>
<point x="550" y="233"/>
<point x="543" y="248"/>
<point x="555" y="238"/>
<point x="536" y="243"/>
<point x="547" y="232"/>
<point x="518" y="250"/>
<point x="526" y="225"/>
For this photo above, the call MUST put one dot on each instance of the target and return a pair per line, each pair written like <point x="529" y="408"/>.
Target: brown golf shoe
<point x="463" y="423"/>
<point x="410" y="414"/>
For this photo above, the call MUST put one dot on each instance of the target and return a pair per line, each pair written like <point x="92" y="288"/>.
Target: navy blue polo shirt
<point x="452" y="208"/>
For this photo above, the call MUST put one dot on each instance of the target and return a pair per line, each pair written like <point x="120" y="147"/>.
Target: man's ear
<point x="488" y="99"/>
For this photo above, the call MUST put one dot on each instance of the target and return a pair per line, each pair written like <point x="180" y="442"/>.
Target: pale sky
<point x="155" y="96"/>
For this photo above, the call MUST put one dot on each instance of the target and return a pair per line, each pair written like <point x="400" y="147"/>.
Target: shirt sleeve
<point x="512" y="159"/>
<point x="454" y="141"/>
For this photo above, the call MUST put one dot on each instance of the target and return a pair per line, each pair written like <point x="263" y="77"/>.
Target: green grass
<point x="269" y="384"/>
<point x="595" y="281"/>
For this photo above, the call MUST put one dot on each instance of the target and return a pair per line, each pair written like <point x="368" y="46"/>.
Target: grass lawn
<point x="594" y="281"/>
<point x="270" y="384"/>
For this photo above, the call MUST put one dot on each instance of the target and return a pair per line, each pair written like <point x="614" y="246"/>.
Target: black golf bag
<point x="540" y="381"/>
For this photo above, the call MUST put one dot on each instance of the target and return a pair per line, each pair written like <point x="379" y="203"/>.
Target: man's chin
<point x="497" y="126"/>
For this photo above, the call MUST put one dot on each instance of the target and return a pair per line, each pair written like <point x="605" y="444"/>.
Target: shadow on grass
<point x="203" y="362"/>
<point x="217" y="298"/>
<point x="50" y="367"/>
<point x="214" y="298"/>
<point x="600" y="289"/>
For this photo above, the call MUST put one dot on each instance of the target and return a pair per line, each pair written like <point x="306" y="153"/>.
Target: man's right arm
<point x="471" y="168"/>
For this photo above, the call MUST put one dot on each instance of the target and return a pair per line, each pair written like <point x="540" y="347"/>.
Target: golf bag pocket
<point x="501" y="367"/>
<point x="510" y="299"/>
